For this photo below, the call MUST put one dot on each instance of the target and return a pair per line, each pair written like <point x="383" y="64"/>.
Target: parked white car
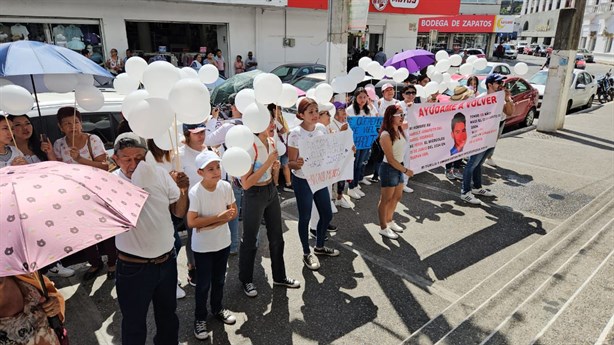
<point x="511" y="51"/>
<point x="581" y="92"/>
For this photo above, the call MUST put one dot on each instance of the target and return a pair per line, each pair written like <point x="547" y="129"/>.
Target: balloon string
<point x="74" y="120"/>
<point x="12" y="135"/>
<point x="176" y="148"/>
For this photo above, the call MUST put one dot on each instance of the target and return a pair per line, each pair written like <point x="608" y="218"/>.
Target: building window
<point x="525" y="27"/>
<point x="608" y="45"/>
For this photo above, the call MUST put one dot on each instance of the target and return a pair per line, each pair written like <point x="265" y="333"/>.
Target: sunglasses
<point x="399" y="115"/>
<point x="409" y="93"/>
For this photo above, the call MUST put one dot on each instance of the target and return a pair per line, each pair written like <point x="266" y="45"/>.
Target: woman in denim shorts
<point x="394" y="144"/>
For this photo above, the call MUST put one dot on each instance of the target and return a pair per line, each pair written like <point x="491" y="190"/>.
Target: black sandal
<point x="89" y="275"/>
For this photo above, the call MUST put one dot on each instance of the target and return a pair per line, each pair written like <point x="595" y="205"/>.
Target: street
<point x="531" y="266"/>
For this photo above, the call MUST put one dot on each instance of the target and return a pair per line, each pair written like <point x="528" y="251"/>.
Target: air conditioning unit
<point x="289" y="42"/>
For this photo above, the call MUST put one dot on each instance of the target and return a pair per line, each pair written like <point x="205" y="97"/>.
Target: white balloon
<point x="437" y="77"/>
<point x="323" y="93"/>
<point x="15" y="100"/>
<point x="364" y="62"/>
<point x="151" y="118"/>
<point x="442" y="66"/>
<point x="89" y="97"/>
<point x="378" y="73"/>
<point x="131" y="100"/>
<point x="135" y="67"/>
<point x="398" y="76"/>
<point x="208" y="74"/>
<point x="466" y="69"/>
<point x="168" y="140"/>
<point x="239" y="136"/>
<point x="268" y="89"/>
<point x="244" y="98"/>
<point x="372" y="67"/>
<point x="389" y="70"/>
<point x="288" y="95"/>
<point x="4" y="82"/>
<point x="441" y="55"/>
<point x="257" y="79"/>
<point x="125" y="84"/>
<point x="446" y="77"/>
<point x="480" y="63"/>
<point x="452" y="84"/>
<point x="281" y="148"/>
<point x="60" y="83"/>
<point x="430" y="70"/>
<point x="311" y="93"/>
<point x="442" y="87"/>
<point x="356" y="74"/>
<point x="471" y="59"/>
<point x="420" y="92"/>
<point x="521" y="68"/>
<point x="236" y="161"/>
<point x="189" y="99"/>
<point x="85" y="79"/>
<point x="159" y="78"/>
<point x="431" y="87"/>
<point x="188" y="73"/>
<point x="483" y="84"/>
<point x="456" y="60"/>
<point x="196" y="118"/>
<point x="256" y="117"/>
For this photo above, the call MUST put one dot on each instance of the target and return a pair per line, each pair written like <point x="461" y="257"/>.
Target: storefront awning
<point x="467" y="23"/>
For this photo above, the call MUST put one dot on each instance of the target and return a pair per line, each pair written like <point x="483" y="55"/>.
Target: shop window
<point x="608" y="45"/>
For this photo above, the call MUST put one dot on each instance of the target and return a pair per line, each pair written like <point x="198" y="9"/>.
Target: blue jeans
<point x="473" y="171"/>
<point x="137" y="286"/>
<point x="304" y="201"/>
<point x="360" y="162"/>
<point x="234" y="224"/>
<point x="210" y="275"/>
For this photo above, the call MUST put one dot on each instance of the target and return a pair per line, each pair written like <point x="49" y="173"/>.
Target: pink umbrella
<point x="52" y="209"/>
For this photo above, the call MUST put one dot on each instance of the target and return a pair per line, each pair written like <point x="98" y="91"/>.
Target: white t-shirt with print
<point x="154" y="234"/>
<point x="297" y="133"/>
<point x="208" y="204"/>
<point x="383" y="104"/>
<point x="62" y="150"/>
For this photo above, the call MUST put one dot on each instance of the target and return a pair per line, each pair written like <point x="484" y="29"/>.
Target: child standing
<point x="212" y="206"/>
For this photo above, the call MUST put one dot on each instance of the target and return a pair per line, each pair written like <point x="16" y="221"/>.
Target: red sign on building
<point x="450" y="7"/>
<point x="460" y="23"/>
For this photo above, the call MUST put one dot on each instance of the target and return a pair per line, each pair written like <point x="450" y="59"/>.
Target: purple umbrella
<point x="413" y="60"/>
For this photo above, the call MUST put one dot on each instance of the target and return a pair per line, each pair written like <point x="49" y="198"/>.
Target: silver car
<point x="581" y="92"/>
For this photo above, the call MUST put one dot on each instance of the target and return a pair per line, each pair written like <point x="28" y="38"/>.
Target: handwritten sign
<point x="328" y="159"/>
<point x="441" y="133"/>
<point x="365" y="130"/>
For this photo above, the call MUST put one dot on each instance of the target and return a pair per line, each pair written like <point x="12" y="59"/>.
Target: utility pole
<point x="337" y="38"/>
<point x="562" y="63"/>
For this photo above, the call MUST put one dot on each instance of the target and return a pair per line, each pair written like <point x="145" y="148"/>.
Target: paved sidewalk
<point x="382" y="291"/>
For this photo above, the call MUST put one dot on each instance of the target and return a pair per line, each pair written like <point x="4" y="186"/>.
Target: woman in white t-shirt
<point x="212" y="206"/>
<point x="29" y="142"/>
<point x="9" y="155"/>
<point x="394" y="144"/>
<point x="308" y="113"/>
<point x="361" y="106"/>
<point x="76" y="147"/>
<point x="261" y="201"/>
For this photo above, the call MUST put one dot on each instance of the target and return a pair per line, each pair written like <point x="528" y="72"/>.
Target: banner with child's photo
<point x="441" y="133"/>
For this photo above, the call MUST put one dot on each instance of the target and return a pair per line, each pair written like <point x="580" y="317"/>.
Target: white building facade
<point x="598" y="30"/>
<point x="538" y="20"/>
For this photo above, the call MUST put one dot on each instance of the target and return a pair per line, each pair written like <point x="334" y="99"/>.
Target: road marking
<point x="576" y="293"/>
<point x="521" y="253"/>
<point x="606" y="330"/>
<point x="530" y="296"/>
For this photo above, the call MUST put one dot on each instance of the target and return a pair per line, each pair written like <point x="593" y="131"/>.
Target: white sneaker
<point x="352" y="193"/>
<point x="359" y="186"/>
<point x="61" y="271"/>
<point x="180" y="292"/>
<point x="388" y="233"/>
<point x="365" y="181"/>
<point x="343" y="203"/>
<point x="482" y="192"/>
<point x="406" y="189"/>
<point x="395" y="227"/>
<point x="333" y="207"/>
<point x="468" y="197"/>
<point x="361" y="193"/>
<point x="491" y="162"/>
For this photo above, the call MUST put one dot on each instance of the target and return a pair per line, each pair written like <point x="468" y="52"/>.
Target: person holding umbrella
<point x="147" y="262"/>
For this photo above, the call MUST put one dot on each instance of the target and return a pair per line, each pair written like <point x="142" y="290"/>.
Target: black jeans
<point x="210" y="275"/>
<point x="259" y="202"/>
<point x="137" y="286"/>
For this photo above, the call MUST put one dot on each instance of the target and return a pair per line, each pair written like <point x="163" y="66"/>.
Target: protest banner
<point x="441" y="133"/>
<point x="365" y="130"/>
<point x="328" y="159"/>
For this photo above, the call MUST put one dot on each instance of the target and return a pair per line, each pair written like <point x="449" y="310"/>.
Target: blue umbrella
<point x="413" y="60"/>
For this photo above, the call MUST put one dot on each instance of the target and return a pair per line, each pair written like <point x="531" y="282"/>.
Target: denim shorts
<point x="283" y="160"/>
<point x="389" y="176"/>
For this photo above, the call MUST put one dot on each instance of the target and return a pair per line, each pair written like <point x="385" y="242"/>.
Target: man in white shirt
<point x="147" y="262"/>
